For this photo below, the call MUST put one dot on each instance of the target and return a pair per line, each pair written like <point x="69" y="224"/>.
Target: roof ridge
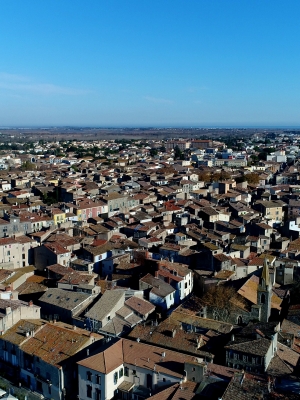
<point x="104" y="360"/>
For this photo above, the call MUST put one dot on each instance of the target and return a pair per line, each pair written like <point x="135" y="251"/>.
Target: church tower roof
<point x="265" y="275"/>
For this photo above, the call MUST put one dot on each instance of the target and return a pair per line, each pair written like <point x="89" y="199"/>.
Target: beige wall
<point x="274" y="213"/>
<point x="11" y="317"/>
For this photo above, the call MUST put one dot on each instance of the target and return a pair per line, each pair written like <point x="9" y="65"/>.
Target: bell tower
<point x="264" y="293"/>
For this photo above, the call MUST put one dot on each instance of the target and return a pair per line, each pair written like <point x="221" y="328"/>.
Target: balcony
<point x="42" y="379"/>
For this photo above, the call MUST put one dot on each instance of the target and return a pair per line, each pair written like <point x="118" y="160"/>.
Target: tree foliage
<point x="240" y="179"/>
<point x="178" y="154"/>
<point x="223" y="301"/>
<point x="27" y="166"/>
<point x="207" y="177"/>
<point x="252" y="178"/>
<point x="204" y="176"/>
<point x="220" y="176"/>
<point x="153" y="152"/>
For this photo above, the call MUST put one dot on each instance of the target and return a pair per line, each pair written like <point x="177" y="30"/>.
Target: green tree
<point x="254" y="158"/>
<point x="71" y="149"/>
<point x="153" y="152"/>
<point x="28" y="166"/>
<point x="178" y="153"/>
<point x="262" y="156"/>
<point x="240" y="179"/>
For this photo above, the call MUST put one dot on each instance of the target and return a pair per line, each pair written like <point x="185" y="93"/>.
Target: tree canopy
<point x="223" y="301"/>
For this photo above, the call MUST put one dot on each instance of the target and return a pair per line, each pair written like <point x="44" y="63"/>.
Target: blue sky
<point x="150" y="63"/>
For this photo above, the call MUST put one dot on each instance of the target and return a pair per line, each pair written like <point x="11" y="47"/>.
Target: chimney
<point x="274" y="343"/>
<point x="30" y="303"/>
<point x="7" y="310"/>
<point x="232" y="337"/>
<point x="173" y="333"/>
<point x="199" y="341"/>
<point x="270" y="384"/>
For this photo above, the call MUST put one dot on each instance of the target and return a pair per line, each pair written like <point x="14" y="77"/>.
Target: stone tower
<point x="264" y="293"/>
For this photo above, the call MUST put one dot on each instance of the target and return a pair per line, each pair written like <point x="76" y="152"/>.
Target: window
<point x="121" y="373"/>
<point x="126" y="371"/>
<point x="89" y="375"/>
<point x="262" y="298"/>
<point x="89" y="391"/>
<point x="14" y="359"/>
<point x="39" y="386"/>
<point x="98" y="394"/>
<point x="115" y="378"/>
<point x="98" y="379"/>
<point x="8" y="253"/>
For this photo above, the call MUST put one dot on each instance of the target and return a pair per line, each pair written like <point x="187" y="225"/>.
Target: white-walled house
<point x="159" y="292"/>
<point x="131" y="369"/>
<point x="179" y="276"/>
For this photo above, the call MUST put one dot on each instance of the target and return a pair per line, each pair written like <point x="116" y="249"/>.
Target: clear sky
<point x="149" y="63"/>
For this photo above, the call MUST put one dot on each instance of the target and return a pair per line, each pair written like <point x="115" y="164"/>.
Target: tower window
<point x="262" y="298"/>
